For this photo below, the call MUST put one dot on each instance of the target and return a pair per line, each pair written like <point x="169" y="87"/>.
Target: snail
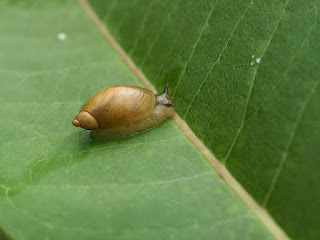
<point x="122" y="110"/>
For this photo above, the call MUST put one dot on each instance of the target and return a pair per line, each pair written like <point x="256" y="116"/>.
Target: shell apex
<point x="85" y="120"/>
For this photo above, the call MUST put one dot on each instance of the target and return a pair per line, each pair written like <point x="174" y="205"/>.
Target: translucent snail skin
<point x="122" y="110"/>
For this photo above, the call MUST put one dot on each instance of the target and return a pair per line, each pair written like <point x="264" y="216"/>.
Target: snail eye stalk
<point x="166" y="89"/>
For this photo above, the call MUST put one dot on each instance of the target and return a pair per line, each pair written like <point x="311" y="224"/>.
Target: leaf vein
<point x="158" y="35"/>
<point x="146" y="15"/>
<point x="251" y="87"/>
<point x="194" y="47"/>
<point x="170" y="52"/>
<point x="289" y="144"/>
<point x="303" y="44"/>
<point x="217" y="60"/>
<point x="116" y="184"/>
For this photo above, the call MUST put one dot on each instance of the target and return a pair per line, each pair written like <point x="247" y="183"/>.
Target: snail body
<point x="122" y="110"/>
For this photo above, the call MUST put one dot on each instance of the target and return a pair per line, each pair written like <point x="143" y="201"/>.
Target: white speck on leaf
<point x="62" y="36"/>
<point x="258" y="60"/>
<point x="251" y="63"/>
<point x="253" y="56"/>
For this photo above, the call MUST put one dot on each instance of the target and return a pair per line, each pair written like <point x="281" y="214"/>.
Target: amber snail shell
<point x="122" y="110"/>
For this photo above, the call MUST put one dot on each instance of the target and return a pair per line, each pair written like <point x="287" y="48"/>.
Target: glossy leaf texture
<point x="245" y="77"/>
<point x="58" y="183"/>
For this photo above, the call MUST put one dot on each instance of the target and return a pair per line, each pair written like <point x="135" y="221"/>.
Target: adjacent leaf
<point x="58" y="183"/>
<point x="245" y="76"/>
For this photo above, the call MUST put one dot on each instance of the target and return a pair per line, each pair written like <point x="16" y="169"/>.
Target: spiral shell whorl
<point x="85" y="120"/>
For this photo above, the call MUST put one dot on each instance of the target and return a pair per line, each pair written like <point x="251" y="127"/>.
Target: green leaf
<point x="58" y="183"/>
<point x="245" y="77"/>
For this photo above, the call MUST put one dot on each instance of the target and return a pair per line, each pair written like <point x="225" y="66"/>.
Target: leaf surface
<point x="245" y="77"/>
<point x="58" y="183"/>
